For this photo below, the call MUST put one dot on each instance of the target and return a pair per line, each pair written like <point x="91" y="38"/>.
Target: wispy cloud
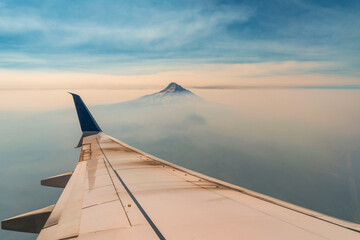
<point x="10" y="24"/>
<point x="131" y="37"/>
<point x="171" y="28"/>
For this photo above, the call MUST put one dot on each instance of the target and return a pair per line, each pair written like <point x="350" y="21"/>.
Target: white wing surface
<point x="119" y="192"/>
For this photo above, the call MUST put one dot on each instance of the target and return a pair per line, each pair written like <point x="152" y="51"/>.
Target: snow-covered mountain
<point x="173" y="93"/>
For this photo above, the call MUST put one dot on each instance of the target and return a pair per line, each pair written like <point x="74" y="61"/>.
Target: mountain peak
<point x="173" y="93"/>
<point x="173" y="87"/>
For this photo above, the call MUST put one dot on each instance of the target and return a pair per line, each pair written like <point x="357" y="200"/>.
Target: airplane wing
<point x="119" y="192"/>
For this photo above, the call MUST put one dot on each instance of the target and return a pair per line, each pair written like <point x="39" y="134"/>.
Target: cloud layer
<point x="140" y="37"/>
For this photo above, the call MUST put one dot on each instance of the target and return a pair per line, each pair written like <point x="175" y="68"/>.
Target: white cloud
<point x="172" y="28"/>
<point x="19" y="24"/>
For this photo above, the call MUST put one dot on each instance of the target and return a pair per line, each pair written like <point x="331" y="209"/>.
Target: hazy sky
<point x="117" y="44"/>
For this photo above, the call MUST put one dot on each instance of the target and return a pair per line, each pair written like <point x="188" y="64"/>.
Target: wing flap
<point x="58" y="181"/>
<point x="31" y="222"/>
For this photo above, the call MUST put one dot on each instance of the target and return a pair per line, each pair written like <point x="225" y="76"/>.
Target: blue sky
<point x="146" y="37"/>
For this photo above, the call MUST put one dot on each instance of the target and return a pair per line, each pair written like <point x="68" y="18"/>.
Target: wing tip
<point x="87" y="122"/>
<point x="73" y="94"/>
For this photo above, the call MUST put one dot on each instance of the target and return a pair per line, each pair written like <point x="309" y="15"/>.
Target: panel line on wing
<point x="148" y="219"/>
<point x="122" y="204"/>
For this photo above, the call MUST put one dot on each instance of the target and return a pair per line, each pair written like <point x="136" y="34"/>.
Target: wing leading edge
<point x="119" y="192"/>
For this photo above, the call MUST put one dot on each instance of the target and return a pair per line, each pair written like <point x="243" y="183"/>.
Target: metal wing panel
<point x="118" y="192"/>
<point x="183" y="204"/>
<point x="90" y="205"/>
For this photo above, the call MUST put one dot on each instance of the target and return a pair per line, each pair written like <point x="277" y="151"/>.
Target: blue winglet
<point x="87" y="122"/>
